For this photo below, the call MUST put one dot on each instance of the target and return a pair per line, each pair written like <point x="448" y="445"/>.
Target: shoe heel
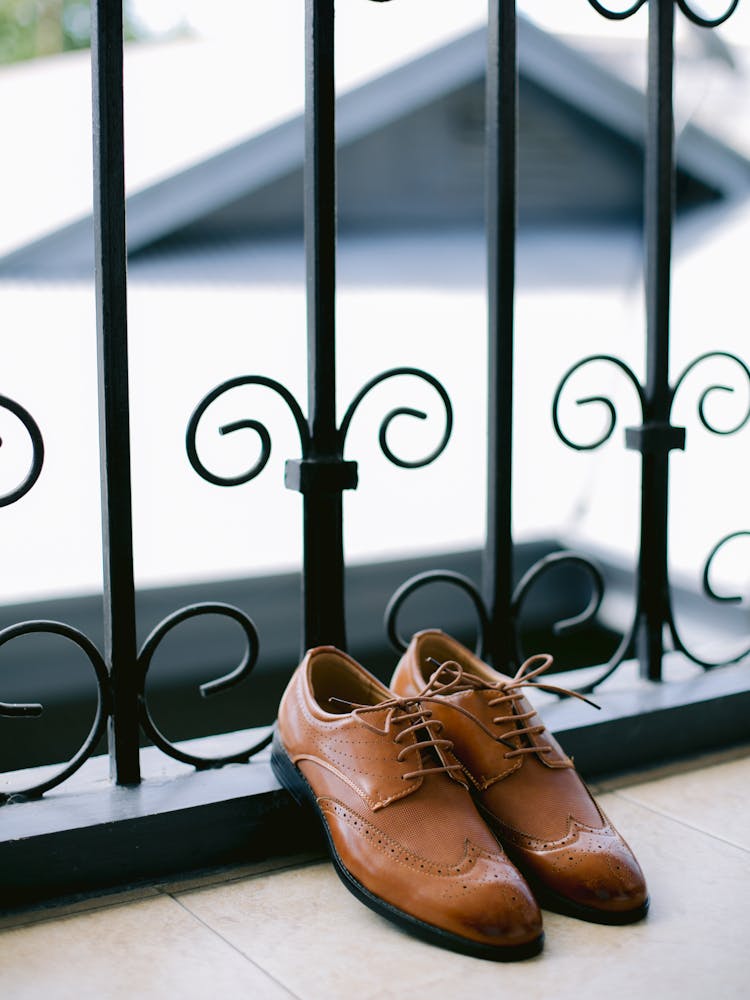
<point x="287" y="774"/>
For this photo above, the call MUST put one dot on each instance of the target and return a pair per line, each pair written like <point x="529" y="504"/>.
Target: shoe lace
<point x="421" y="722"/>
<point x="450" y="678"/>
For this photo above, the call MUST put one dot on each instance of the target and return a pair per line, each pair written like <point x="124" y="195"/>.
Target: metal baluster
<point x="502" y="113"/>
<point x="323" y="568"/>
<point x="114" y="429"/>
<point x="657" y="437"/>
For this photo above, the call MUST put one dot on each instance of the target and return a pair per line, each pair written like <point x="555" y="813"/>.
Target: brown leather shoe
<point x="404" y="834"/>
<point x="526" y="787"/>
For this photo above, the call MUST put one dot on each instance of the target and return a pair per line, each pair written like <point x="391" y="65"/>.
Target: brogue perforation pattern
<point x="401" y="855"/>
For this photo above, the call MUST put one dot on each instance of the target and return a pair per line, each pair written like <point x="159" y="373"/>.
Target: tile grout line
<point x="233" y="947"/>
<point x="682" y="822"/>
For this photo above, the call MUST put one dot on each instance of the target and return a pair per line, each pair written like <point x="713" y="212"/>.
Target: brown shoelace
<point x="408" y="710"/>
<point x="508" y="693"/>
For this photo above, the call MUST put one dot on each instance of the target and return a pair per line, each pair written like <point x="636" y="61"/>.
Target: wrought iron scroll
<point x="8" y="709"/>
<point x="207" y="689"/>
<point x="104" y="707"/>
<point x="707" y="586"/>
<point x="687" y="10"/>
<point x="437" y="576"/>
<point x="37" y="451"/>
<point x="321" y="473"/>
<point x="706" y="22"/>
<point x="7" y="635"/>
<point x="617" y="15"/>
<point x="254" y="425"/>
<point x="521" y="591"/>
<point x="103" y="704"/>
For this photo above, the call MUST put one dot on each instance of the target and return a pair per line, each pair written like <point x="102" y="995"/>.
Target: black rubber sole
<point x="296" y="784"/>
<point x="550" y="900"/>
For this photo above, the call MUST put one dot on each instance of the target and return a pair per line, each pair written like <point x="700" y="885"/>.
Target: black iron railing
<point x="321" y="472"/>
<point x="499" y="608"/>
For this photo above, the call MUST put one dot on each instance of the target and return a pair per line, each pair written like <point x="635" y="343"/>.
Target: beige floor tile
<point x="713" y="799"/>
<point x="306" y="926"/>
<point x="149" y="949"/>
<point x="308" y="932"/>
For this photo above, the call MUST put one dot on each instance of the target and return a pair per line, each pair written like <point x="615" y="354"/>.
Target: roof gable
<point x="273" y="155"/>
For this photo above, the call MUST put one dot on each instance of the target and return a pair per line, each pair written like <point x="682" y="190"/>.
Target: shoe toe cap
<point x="494" y="906"/>
<point x="597" y="871"/>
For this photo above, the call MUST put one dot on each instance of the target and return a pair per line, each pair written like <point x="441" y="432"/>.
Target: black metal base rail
<point x="321" y="473"/>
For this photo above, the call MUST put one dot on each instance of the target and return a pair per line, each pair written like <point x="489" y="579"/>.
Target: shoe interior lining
<point x="442" y="648"/>
<point x="333" y="676"/>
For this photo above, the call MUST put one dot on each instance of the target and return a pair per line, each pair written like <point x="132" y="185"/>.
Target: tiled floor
<point x="296" y="932"/>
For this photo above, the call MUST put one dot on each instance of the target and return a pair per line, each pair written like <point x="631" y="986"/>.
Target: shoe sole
<point x="548" y="899"/>
<point x="292" y="779"/>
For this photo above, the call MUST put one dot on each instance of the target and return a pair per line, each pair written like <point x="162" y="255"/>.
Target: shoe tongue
<point x="429" y="755"/>
<point x="476" y="701"/>
<point x="378" y="717"/>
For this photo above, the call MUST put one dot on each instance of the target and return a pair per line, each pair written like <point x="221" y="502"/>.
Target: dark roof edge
<point x="220" y="179"/>
<point x="578" y="78"/>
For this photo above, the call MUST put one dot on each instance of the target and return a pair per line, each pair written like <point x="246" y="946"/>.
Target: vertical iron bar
<point x="323" y="569"/>
<point x="501" y="171"/>
<point x="112" y="353"/>
<point x="654" y="600"/>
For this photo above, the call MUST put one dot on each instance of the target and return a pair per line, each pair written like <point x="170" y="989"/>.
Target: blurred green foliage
<point x="31" y="28"/>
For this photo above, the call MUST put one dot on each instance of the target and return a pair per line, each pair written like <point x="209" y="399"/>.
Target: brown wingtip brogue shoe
<point x="525" y="786"/>
<point x="404" y="834"/>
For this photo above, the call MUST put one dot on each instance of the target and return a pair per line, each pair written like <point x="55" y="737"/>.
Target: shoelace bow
<point x="508" y="692"/>
<point x="408" y="710"/>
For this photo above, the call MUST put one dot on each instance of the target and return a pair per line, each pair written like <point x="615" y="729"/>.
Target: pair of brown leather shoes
<point x="416" y="785"/>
